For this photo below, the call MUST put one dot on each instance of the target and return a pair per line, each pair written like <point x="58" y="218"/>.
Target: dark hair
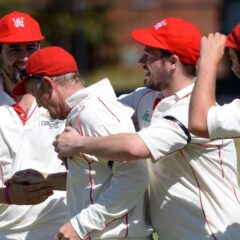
<point x="237" y="53"/>
<point x="188" y="69"/>
<point x="165" y="53"/>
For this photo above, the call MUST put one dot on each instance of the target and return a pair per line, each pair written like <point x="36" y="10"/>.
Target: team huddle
<point x="77" y="162"/>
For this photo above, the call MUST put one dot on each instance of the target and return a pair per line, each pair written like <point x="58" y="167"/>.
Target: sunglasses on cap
<point x="22" y="74"/>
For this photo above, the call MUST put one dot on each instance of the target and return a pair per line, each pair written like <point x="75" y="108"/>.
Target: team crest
<point x="46" y="120"/>
<point x="160" y="24"/>
<point x="147" y="117"/>
<point x="18" y="22"/>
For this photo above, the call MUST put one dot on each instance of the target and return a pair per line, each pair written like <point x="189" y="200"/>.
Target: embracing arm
<point x="127" y="146"/>
<point x="203" y="95"/>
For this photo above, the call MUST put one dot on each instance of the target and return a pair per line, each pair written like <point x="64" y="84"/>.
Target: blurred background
<point x="97" y="33"/>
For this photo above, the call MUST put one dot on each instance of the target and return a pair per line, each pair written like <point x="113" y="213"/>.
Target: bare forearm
<point x="57" y="180"/>
<point x="203" y="97"/>
<point x="118" y="147"/>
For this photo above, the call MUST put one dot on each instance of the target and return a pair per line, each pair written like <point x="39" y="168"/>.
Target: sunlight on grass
<point x="155" y="237"/>
<point x="237" y="142"/>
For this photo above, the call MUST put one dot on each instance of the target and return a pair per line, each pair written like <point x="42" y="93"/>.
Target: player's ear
<point x="174" y="59"/>
<point x="48" y="85"/>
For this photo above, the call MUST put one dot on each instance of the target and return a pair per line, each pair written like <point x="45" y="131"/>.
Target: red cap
<point x="233" y="39"/>
<point x="175" y="35"/>
<point x="48" y="61"/>
<point x="18" y="27"/>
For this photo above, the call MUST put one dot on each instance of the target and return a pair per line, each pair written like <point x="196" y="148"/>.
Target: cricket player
<point x="105" y="200"/>
<point x="194" y="192"/>
<point x="26" y="135"/>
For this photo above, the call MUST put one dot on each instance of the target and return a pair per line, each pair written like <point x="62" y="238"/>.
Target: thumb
<point x="68" y="129"/>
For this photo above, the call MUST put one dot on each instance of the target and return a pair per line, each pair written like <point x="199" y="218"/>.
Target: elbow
<point x="193" y="127"/>
<point x="133" y="153"/>
<point x="198" y="128"/>
<point x="138" y="151"/>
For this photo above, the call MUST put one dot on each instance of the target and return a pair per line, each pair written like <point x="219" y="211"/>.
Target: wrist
<point x="206" y="64"/>
<point x="80" y="144"/>
<point x="57" y="180"/>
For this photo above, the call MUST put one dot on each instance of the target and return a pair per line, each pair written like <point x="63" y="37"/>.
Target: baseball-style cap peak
<point x="19" y="27"/>
<point x="233" y="39"/>
<point x="48" y="61"/>
<point x="173" y="34"/>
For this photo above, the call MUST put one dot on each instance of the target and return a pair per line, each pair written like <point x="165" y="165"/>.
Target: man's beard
<point x="148" y="81"/>
<point x="149" y="84"/>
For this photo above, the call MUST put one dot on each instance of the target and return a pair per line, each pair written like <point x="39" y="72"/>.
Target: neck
<point x="176" y="85"/>
<point x="8" y="82"/>
<point x="64" y="93"/>
<point x="25" y="101"/>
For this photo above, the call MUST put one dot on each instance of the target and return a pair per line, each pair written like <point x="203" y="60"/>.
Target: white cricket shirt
<point x="29" y="146"/>
<point x="105" y="201"/>
<point x="194" y="190"/>
<point x="224" y="121"/>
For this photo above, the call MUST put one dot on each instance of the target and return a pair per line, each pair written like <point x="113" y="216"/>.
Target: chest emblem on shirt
<point x="147" y="116"/>
<point x="46" y="120"/>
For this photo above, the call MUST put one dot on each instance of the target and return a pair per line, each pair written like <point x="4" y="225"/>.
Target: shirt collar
<point x="184" y="92"/>
<point x="103" y="87"/>
<point x="167" y="102"/>
<point x="180" y="94"/>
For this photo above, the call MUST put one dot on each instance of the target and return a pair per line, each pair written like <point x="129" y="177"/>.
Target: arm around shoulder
<point x="127" y="146"/>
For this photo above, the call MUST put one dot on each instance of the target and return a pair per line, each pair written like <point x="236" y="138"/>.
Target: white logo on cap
<point x="18" y="22"/>
<point x="160" y="24"/>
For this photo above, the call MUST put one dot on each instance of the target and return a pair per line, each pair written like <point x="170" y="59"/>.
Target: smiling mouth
<point x="18" y="74"/>
<point x="20" y="66"/>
